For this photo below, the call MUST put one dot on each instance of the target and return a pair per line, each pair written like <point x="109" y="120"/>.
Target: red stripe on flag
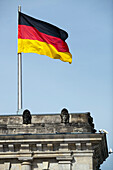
<point x="28" y="32"/>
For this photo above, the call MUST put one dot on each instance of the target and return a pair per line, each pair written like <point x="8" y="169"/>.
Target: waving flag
<point x="35" y="36"/>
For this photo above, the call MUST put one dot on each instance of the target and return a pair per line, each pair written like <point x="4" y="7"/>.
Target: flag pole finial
<point x="19" y="8"/>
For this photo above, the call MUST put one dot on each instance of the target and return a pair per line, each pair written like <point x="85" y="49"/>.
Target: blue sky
<point x="50" y="85"/>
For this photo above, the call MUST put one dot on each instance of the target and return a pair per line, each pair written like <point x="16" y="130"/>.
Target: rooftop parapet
<point x="47" y="123"/>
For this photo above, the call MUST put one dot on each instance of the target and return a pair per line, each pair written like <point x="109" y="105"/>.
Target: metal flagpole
<point x="19" y="74"/>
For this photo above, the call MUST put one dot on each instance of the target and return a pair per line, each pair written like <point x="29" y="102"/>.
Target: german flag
<point x="35" y="36"/>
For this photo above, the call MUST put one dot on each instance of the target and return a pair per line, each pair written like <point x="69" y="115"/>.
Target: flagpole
<point x="19" y="74"/>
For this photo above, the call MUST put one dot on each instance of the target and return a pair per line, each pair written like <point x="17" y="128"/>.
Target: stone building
<point x="51" y="142"/>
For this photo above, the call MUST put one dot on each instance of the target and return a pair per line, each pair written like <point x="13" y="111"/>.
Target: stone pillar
<point x="45" y="165"/>
<point x="25" y="162"/>
<point x="64" y="163"/>
<point x="7" y="165"/>
<point x="26" y="166"/>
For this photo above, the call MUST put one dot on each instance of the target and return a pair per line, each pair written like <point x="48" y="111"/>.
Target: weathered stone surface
<point x="81" y="123"/>
<point x="47" y="118"/>
<point x="47" y="143"/>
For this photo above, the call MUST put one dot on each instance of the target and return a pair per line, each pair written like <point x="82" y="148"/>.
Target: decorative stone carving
<point x="64" y="116"/>
<point x="26" y="117"/>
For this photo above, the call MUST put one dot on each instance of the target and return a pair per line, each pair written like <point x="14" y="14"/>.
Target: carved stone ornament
<point x="64" y="116"/>
<point x="26" y="117"/>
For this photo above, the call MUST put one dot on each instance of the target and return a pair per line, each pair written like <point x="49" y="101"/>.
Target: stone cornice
<point x="53" y="144"/>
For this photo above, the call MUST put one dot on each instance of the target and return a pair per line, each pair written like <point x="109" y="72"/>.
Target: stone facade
<point x="48" y="144"/>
